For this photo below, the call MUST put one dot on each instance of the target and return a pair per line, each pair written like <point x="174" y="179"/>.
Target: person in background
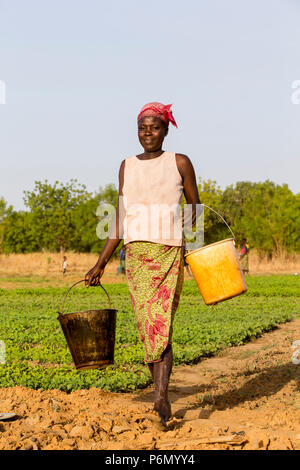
<point x="121" y="268"/>
<point x="64" y="265"/>
<point x="244" y="256"/>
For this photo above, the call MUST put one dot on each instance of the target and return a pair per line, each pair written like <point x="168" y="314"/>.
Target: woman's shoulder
<point x="185" y="166"/>
<point x="127" y="160"/>
<point x="181" y="157"/>
<point x="183" y="162"/>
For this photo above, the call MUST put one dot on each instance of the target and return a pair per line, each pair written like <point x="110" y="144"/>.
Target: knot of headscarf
<point x="162" y="111"/>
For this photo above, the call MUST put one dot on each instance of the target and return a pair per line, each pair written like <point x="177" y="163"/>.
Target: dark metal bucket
<point x="90" y="335"/>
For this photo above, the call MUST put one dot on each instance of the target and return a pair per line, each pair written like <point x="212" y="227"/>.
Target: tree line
<point x="63" y="216"/>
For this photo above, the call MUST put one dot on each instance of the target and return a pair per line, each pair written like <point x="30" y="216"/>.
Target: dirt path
<point x="245" y="398"/>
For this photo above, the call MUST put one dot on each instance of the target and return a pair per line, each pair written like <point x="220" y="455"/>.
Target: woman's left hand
<point x="93" y="276"/>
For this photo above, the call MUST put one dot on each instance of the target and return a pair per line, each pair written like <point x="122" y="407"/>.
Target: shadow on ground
<point x="265" y="383"/>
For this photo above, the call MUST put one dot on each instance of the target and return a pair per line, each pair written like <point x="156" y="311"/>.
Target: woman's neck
<point x="150" y="155"/>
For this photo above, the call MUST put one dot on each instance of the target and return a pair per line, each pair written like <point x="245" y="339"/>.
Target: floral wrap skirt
<point x="155" y="276"/>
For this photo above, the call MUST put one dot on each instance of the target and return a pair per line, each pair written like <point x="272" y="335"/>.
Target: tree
<point x="272" y="218"/>
<point x="20" y="236"/>
<point x="214" y="228"/>
<point x="86" y="220"/>
<point x="5" y="212"/>
<point x="52" y="208"/>
<point x="266" y="214"/>
<point x="234" y="205"/>
<point x="108" y="194"/>
<point x="64" y="216"/>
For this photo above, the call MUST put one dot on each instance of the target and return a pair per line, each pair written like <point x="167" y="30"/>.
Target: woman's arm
<point x="190" y="189"/>
<point x="92" y="278"/>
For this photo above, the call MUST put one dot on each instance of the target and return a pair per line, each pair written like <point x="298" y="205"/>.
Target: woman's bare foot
<point x="163" y="408"/>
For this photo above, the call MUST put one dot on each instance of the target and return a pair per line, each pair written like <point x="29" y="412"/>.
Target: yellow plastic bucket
<point x="217" y="271"/>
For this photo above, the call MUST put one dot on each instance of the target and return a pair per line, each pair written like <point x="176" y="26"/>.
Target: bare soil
<point x="247" y="397"/>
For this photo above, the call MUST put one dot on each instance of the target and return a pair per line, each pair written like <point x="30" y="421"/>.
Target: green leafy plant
<point x="37" y="355"/>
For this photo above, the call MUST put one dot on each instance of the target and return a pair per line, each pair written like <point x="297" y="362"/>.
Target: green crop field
<point x="37" y="355"/>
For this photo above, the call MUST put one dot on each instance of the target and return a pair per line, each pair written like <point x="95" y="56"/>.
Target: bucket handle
<point x="83" y="280"/>
<point x="221" y="218"/>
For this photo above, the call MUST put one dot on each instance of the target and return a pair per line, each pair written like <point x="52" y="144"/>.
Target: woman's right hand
<point x="93" y="276"/>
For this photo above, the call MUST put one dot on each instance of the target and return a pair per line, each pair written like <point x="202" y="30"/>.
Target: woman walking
<point x="150" y="191"/>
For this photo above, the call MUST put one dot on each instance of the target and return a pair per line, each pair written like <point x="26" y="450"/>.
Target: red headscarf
<point x="162" y="111"/>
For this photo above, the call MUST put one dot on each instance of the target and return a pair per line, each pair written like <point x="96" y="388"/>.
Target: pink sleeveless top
<point x="152" y="193"/>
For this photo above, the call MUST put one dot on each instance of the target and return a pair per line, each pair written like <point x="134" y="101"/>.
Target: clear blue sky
<point x="78" y="71"/>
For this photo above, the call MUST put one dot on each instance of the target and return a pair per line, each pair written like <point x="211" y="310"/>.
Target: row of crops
<point x="37" y="355"/>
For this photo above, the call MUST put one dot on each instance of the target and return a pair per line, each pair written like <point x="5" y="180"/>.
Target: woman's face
<point x="151" y="132"/>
